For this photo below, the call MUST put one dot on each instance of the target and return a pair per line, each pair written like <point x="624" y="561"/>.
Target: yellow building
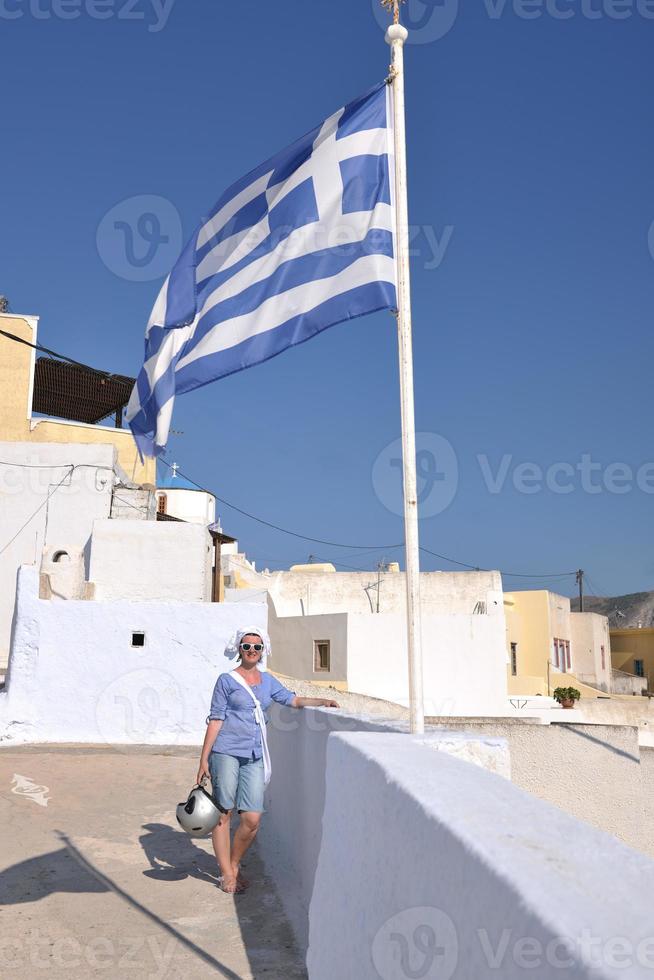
<point x="548" y="646"/>
<point x="45" y="400"/>
<point x="632" y="651"/>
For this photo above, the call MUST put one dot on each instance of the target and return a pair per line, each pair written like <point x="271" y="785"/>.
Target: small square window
<point x="138" y="639"/>
<point x="321" y="655"/>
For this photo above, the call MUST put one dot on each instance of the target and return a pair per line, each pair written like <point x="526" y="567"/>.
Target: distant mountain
<point x="623" y="611"/>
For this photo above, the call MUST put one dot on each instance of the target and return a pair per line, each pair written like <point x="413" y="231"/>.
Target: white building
<point x="51" y="494"/>
<point x="115" y="670"/>
<point x="178" y="497"/>
<point x="325" y="627"/>
<point x="114" y="634"/>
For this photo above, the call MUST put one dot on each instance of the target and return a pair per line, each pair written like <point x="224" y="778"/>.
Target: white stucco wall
<point x="75" y="677"/>
<point x="151" y="561"/>
<point x="290" y="835"/>
<point x="464" y="661"/>
<point x="589" y="633"/>
<point x="464" y="657"/>
<point x="53" y="517"/>
<point x="302" y="593"/>
<point x="430" y="867"/>
<point x="194" y="506"/>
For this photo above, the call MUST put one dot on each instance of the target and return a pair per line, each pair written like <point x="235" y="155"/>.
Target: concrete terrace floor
<point x="101" y="883"/>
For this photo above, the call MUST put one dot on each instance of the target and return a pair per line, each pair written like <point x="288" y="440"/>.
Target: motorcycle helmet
<point x="199" y="814"/>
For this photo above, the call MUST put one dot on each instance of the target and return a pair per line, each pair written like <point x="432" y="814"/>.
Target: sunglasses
<point x="257" y="647"/>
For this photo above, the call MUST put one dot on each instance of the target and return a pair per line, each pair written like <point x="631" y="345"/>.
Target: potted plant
<point x="566" y="696"/>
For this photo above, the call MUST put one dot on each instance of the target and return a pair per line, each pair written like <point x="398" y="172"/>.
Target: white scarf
<point x="260" y="719"/>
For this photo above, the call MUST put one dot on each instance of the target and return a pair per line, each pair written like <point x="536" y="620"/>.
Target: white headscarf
<point x="233" y="648"/>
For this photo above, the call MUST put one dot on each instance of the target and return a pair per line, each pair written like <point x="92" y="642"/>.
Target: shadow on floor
<point x="266" y="934"/>
<point x="68" y="870"/>
<point x="173" y="856"/>
<point x="38" y="877"/>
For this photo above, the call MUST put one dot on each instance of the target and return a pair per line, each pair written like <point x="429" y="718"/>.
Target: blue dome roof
<point x="175" y="481"/>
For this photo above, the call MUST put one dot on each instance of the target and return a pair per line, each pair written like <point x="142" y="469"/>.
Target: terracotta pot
<point x="568" y="703"/>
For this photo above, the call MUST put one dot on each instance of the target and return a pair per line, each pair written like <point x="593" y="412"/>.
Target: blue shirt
<point x="240" y="735"/>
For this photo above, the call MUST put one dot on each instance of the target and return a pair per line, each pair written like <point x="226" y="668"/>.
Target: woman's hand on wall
<point x="314" y="703"/>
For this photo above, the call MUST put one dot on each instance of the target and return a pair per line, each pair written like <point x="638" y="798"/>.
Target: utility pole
<point x="382" y="566"/>
<point x="580" y="582"/>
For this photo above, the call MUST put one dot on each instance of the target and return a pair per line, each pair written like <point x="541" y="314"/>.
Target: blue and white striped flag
<point x="299" y="244"/>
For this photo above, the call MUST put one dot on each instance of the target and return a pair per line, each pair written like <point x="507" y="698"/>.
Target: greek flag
<point x="302" y="242"/>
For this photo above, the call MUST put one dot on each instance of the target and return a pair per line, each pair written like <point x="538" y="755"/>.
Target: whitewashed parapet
<point x="290" y="835"/>
<point x="115" y="672"/>
<point x="432" y="868"/>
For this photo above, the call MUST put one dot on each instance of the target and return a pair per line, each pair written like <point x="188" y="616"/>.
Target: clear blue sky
<point x="530" y="162"/>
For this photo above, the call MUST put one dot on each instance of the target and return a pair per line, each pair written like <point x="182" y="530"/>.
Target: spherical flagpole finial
<point x="396" y="32"/>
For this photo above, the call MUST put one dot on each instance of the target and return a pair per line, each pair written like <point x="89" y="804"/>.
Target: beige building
<point x="43" y="400"/>
<point x="548" y="646"/>
<point x="632" y="652"/>
<point x="591" y="643"/>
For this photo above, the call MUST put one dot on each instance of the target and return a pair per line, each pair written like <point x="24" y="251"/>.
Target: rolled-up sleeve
<point x="218" y="709"/>
<point x="280" y="693"/>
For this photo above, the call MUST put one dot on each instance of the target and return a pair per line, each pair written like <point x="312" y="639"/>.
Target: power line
<point x="38" y="509"/>
<point x="339" y="544"/>
<point x="70" y="467"/>
<point x="594" y="591"/>
<point x="284" y="530"/>
<point x="52" y="353"/>
<point x="56" y="466"/>
<point x="476" y="568"/>
<point x="557" y="575"/>
<point x="259" y="520"/>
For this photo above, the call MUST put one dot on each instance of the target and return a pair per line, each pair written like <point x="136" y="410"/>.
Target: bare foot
<point x="241" y="881"/>
<point x="229" y="884"/>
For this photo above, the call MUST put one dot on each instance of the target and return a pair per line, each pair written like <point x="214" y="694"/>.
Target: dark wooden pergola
<point x="77" y="393"/>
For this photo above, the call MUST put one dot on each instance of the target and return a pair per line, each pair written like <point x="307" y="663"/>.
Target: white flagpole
<point x="396" y="35"/>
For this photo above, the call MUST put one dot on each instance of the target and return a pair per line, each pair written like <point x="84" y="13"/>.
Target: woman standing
<point x="235" y="750"/>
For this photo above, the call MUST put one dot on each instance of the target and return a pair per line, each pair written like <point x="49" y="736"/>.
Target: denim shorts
<point x="236" y="782"/>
